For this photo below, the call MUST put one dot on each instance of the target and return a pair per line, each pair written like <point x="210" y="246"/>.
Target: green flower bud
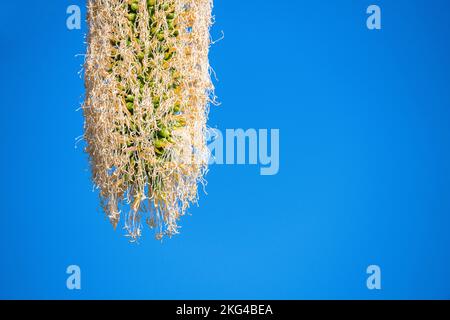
<point x="134" y="7"/>
<point x="130" y="106"/>
<point x="160" y="36"/>
<point x="164" y="133"/>
<point x="131" y="16"/>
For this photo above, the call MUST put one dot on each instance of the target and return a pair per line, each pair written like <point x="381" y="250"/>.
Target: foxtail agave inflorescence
<point x="148" y="90"/>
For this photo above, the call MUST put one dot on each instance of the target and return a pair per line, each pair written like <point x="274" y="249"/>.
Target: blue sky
<point x="364" y="160"/>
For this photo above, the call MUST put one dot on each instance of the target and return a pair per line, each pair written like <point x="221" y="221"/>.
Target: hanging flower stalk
<point x="148" y="89"/>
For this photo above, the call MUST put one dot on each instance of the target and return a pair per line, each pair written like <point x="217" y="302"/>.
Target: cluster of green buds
<point x="161" y="53"/>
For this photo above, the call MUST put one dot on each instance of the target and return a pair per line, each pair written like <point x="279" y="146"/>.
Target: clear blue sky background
<point x="364" y="170"/>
